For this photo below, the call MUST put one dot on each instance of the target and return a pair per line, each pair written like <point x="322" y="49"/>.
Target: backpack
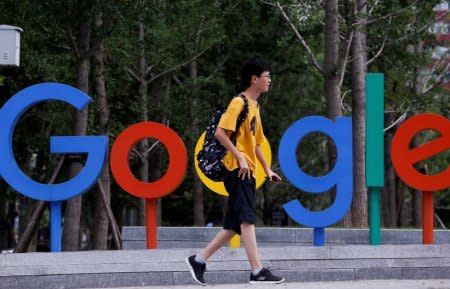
<point x="212" y="153"/>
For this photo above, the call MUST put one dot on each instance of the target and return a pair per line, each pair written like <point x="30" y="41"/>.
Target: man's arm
<point x="222" y="137"/>
<point x="270" y="174"/>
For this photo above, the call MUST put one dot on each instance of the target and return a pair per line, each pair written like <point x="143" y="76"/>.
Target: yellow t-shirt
<point x="249" y="134"/>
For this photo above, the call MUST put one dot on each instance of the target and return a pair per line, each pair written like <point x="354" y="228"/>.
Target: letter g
<point x="340" y="176"/>
<point x="94" y="146"/>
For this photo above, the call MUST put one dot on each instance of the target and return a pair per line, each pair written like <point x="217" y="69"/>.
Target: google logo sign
<point x="340" y="131"/>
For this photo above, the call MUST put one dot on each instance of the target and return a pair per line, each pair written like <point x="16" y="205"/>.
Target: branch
<point x="302" y="40"/>
<point x="342" y="98"/>
<point x="72" y="40"/>
<point x="168" y="54"/>
<point x="148" y="70"/>
<point x="439" y="80"/>
<point x="381" y="48"/>
<point x="379" y="52"/>
<point x="137" y="153"/>
<point x="360" y="8"/>
<point x="30" y="228"/>
<point x="179" y="65"/>
<point x="267" y="3"/>
<point x="133" y="73"/>
<point x="397" y="12"/>
<point x="440" y="221"/>
<point x="420" y="30"/>
<point x="177" y="80"/>
<point x="400" y="119"/>
<point x="373" y="6"/>
<point x="117" y="237"/>
<point x="219" y="66"/>
<point x="346" y="54"/>
<point x="152" y="148"/>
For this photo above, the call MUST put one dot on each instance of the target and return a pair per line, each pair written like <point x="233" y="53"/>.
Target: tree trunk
<point x="155" y="158"/>
<point x="4" y="227"/>
<point x="332" y="83"/>
<point x="143" y="169"/>
<point x="11" y="216"/>
<point x="33" y="223"/>
<point x="216" y="212"/>
<point x="268" y="193"/>
<point x="416" y="204"/>
<point x="400" y="200"/>
<point x="197" y="188"/>
<point x="7" y="215"/>
<point x="72" y="213"/>
<point x="29" y="231"/>
<point x="332" y="88"/>
<point x="26" y="214"/>
<point x="417" y="195"/>
<point x="156" y="175"/>
<point x="359" y="70"/>
<point x="100" y="228"/>
<point x="389" y="192"/>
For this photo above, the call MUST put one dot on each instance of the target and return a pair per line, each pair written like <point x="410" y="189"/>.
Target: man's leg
<point x="219" y="240"/>
<point x="249" y="239"/>
<point x="259" y="274"/>
<point x="197" y="263"/>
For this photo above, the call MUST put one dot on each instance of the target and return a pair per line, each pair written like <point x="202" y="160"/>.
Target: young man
<point x="240" y="162"/>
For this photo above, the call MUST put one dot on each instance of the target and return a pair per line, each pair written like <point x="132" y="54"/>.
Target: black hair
<point x="253" y="66"/>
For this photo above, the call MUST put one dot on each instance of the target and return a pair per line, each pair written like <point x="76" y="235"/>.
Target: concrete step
<point x="360" y="284"/>
<point x="198" y="237"/>
<point x="105" y="269"/>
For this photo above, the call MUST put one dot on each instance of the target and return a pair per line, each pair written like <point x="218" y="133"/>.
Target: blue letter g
<point x="95" y="147"/>
<point x="341" y="175"/>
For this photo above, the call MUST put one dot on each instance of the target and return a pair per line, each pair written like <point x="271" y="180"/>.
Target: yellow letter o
<point x="218" y="187"/>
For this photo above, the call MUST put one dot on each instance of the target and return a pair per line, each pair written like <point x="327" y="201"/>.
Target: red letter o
<point x="177" y="160"/>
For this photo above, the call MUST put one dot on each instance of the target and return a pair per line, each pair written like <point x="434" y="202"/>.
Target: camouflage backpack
<point x="212" y="153"/>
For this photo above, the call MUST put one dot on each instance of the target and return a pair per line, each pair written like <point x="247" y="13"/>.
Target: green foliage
<point x="223" y="35"/>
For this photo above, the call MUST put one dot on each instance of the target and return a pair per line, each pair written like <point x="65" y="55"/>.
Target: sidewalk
<point x="362" y="284"/>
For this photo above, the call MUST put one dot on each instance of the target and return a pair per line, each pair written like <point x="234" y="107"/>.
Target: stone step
<point x="103" y="269"/>
<point x="225" y="266"/>
<point x="198" y="237"/>
<point x="358" y="284"/>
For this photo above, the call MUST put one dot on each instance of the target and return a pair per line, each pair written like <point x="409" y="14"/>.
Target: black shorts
<point x="240" y="201"/>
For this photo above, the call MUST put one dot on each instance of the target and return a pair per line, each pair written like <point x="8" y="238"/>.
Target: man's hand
<point x="244" y="171"/>
<point x="272" y="176"/>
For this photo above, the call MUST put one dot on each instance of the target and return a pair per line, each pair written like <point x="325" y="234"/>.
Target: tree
<point x="176" y="48"/>
<point x="333" y="68"/>
<point x="359" y="71"/>
<point x="100" y="229"/>
<point x="81" y="47"/>
<point x="403" y="52"/>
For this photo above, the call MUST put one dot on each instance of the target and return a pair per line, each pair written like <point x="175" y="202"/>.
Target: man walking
<point x="240" y="163"/>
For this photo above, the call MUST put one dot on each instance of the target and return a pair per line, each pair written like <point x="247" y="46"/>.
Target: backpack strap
<point x="241" y="117"/>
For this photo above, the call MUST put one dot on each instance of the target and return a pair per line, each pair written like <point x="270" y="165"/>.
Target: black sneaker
<point x="265" y="277"/>
<point x="197" y="270"/>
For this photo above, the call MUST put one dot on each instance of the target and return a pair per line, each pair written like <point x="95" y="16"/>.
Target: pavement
<point x="360" y="284"/>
